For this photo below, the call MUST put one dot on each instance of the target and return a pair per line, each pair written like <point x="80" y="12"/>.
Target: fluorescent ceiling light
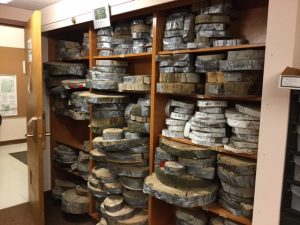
<point x="5" y="1"/>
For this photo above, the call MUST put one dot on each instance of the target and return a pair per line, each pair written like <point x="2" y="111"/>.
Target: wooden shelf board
<point x="212" y="49"/>
<point x="95" y="216"/>
<point x="218" y="149"/>
<point x="124" y="91"/>
<point x="144" y="55"/>
<point x="206" y="97"/>
<point x="71" y="143"/>
<point x="84" y="58"/>
<point x="216" y="209"/>
<point x="75" y="173"/>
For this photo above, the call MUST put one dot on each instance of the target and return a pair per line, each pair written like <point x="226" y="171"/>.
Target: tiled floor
<point x="13" y="177"/>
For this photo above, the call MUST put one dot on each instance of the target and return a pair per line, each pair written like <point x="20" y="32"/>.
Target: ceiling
<point x="31" y="4"/>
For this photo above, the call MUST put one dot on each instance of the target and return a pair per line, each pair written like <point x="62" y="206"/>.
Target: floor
<point x="13" y="176"/>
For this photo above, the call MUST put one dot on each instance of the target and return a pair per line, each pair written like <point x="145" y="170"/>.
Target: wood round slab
<point x="124" y="213"/>
<point x="135" y="199"/>
<point x="112" y="134"/>
<point x="113" y="203"/>
<point x="73" y="203"/>
<point x="82" y="191"/>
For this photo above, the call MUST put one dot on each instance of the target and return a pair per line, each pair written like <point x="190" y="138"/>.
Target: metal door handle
<point x="29" y="135"/>
<point x="47" y="134"/>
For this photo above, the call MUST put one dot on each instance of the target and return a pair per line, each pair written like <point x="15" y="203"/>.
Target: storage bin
<point x="297" y="168"/>
<point x="295" y="197"/>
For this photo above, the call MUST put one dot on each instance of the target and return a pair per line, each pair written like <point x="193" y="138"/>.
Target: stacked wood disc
<point x="243" y="72"/>
<point x="85" y="45"/>
<point x="117" y="212"/>
<point x="209" y="65"/>
<point x="237" y="176"/>
<point x="245" y="121"/>
<point x="212" y="25"/>
<point x="135" y="83"/>
<point x="68" y="50"/>
<point x="149" y="22"/>
<point x="208" y="125"/>
<point x="177" y="113"/>
<point x="138" y="116"/>
<point x="189" y="181"/>
<point x="141" y="35"/>
<point x="179" y="30"/>
<point x="82" y="164"/>
<point x="61" y="80"/>
<point x="217" y="220"/>
<point x="122" y="39"/>
<point x="107" y="74"/>
<point x="127" y="155"/>
<point x="78" y="109"/>
<point x="177" y="75"/>
<point x="104" y="41"/>
<point x="108" y="111"/>
<point x="60" y="186"/>
<point x="74" y="202"/>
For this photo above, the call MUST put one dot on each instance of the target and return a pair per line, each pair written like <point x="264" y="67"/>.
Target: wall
<point x="12" y="128"/>
<point x="282" y="50"/>
<point x="14" y="16"/>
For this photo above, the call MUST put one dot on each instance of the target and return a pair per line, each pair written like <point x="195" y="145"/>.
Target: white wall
<point x="282" y="50"/>
<point x="11" y="37"/>
<point x="14" y="16"/>
<point x="12" y="128"/>
<point x="56" y="16"/>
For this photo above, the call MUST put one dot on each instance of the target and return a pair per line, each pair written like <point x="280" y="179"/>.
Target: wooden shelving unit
<point x="251" y="25"/>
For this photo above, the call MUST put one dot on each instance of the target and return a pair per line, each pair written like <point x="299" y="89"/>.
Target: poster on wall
<point x="8" y="95"/>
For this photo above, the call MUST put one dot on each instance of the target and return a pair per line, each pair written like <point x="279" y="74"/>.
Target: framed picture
<point x="102" y="16"/>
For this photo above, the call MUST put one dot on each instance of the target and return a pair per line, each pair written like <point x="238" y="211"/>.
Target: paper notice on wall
<point x="8" y="95"/>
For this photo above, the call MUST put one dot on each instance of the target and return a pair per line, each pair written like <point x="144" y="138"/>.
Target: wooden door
<point x="35" y="121"/>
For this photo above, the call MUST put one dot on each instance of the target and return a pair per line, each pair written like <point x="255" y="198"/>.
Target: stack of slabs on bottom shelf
<point x="187" y="181"/>
<point x="75" y="201"/>
<point x="237" y="176"/>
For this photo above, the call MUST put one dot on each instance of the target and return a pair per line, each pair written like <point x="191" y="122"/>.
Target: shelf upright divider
<point x="157" y="208"/>
<point x="92" y="62"/>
